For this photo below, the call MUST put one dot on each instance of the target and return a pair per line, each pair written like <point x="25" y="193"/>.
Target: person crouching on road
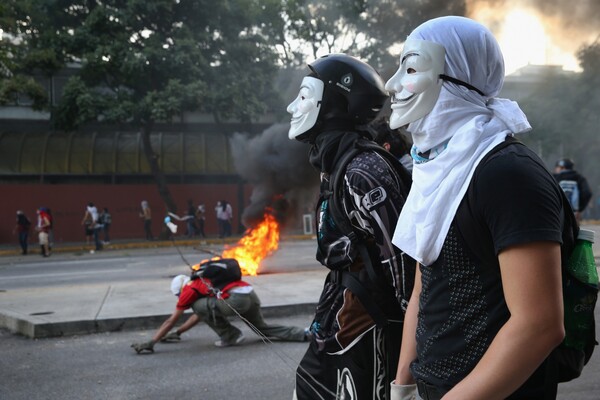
<point x="237" y="296"/>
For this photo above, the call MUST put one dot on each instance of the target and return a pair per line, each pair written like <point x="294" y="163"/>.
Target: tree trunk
<point x="159" y="177"/>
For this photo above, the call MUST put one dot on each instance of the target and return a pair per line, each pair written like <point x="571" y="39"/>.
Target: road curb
<point x="84" y="248"/>
<point x="39" y="329"/>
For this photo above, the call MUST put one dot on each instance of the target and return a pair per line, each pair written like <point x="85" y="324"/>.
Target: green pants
<point x="215" y="313"/>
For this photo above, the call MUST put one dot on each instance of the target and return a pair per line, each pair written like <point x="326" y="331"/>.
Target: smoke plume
<point x="569" y="24"/>
<point x="279" y="172"/>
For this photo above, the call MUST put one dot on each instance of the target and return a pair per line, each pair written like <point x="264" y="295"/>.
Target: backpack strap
<point x="477" y="233"/>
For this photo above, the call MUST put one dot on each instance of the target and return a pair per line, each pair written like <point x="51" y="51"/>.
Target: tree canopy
<point x="139" y="62"/>
<point x="364" y="28"/>
<point x="142" y="62"/>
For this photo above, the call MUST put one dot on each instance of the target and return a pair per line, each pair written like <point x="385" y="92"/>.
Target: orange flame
<point x="256" y="244"/>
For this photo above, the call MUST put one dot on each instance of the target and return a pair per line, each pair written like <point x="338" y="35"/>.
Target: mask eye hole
<point x="416" y="63"/>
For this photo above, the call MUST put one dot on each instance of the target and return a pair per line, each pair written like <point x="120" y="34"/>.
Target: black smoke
<point x="279" y="171"/>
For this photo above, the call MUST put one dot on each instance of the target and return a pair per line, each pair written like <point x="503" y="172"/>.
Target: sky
<point x="539" y="32"/>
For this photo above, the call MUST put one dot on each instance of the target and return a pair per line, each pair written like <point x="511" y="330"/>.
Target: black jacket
<point x="585" y="194"/>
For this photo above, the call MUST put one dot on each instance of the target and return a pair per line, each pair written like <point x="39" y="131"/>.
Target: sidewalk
<point x="50" y="311"/>
<point x="101" y="307"/>
<point x="120" y="244"/>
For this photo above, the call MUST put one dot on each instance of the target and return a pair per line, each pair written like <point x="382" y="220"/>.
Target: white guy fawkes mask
<point x="416" y="85"/>
<point x="305" y="108"/>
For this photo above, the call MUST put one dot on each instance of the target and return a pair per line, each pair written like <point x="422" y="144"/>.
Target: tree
<point x="364" y="28"/>
<point x="23" y="54"/>
<point x="144" y="62"/>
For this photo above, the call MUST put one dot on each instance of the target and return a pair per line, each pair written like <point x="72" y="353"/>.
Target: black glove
<point x="146" y="346"/>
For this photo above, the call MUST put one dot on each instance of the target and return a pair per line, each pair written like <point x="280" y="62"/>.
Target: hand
<point x="146" y="346"/>
<point x="403" y="392"/>
<point x="172" y="336"/>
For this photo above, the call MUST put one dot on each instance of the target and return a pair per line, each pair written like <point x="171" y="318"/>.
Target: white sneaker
<point x="236" y="341"/>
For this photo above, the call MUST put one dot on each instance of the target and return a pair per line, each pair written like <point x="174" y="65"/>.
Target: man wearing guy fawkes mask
<point x="485" y="220"/>
<point x="357" y="327"/>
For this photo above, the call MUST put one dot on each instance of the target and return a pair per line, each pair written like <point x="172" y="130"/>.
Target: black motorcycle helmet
<point x="354" y="92"/>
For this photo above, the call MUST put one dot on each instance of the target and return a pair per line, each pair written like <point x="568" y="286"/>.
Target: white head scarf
<point x="469" y="123"/>
<point x="178" y="283"/>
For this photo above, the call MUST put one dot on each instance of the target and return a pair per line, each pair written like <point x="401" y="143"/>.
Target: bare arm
<point x="167" y="325"/>
<point x="408" y="351"/>
<point x="189" y="323"/>
<point x="85" y="217"/>
<point x="531" y="279"/>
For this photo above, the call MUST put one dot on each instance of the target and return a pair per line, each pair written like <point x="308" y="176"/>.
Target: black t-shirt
<point x="512" y="199"/>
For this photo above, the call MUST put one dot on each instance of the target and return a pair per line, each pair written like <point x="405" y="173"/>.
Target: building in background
<point x="40" y="166"/>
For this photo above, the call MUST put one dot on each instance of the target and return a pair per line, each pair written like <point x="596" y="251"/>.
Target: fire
<point x="256" y="244"/>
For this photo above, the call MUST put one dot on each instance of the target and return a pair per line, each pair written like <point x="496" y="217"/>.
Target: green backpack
<point x="579" y="298"/>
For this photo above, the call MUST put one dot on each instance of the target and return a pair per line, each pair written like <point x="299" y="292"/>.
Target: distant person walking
<point x="22" y="229"/>
<point x="51" y="229"/>
<point x="106" y="220"/>
<point x="146" y="215"/>
<point x="88" y="222"/>
<point x="92" y="225"/>
<point x="574" y="185"/>
<point x="190" y="220"/>
<point x="43" y="227"/>
<point x="200" y="218"/>
<point x="224" y="215"/>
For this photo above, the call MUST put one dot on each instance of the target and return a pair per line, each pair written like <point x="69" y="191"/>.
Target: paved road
<point x="102" y="366"/>
<point x="130" y="264"/>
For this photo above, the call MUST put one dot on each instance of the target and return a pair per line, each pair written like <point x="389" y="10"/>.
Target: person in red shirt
<point x="214" y="306"/>
<point x="43" y="227"/>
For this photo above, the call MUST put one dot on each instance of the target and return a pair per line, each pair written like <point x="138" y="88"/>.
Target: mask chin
<point x="416" y="85"/>
<point x="305" y="108"/>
